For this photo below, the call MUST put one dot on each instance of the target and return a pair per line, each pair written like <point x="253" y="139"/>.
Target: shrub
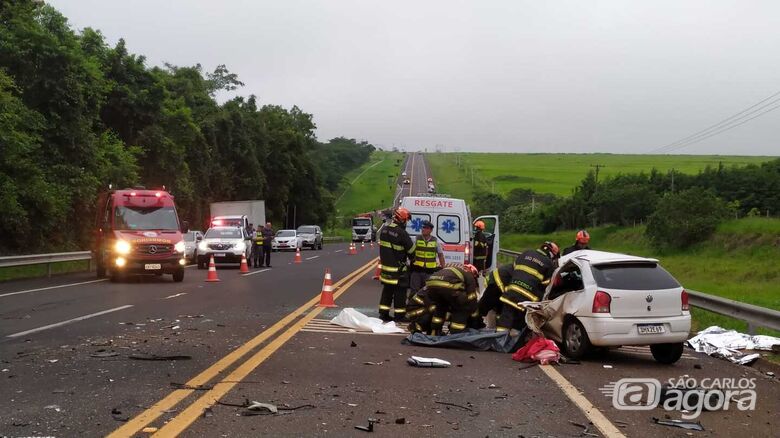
<point x="684" y="218"/>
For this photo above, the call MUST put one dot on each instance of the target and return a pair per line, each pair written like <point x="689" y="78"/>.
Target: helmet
<point x="472" y="269"/>
<point x="479" y="224"/>
<point x="583" y="237"/>
<point x="427" y="224"/>
<point x="551" y="249"/>
<point x="401" y="215"/>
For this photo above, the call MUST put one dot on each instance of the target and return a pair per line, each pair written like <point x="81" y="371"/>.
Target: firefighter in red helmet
<point x="395" y="249"/>
<point x="581" y="243"/>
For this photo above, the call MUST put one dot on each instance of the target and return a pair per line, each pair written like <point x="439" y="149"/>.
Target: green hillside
<point x="369" y="187"/>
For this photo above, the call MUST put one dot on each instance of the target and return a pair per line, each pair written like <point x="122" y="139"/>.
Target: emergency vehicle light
<point x="158" y="194"/>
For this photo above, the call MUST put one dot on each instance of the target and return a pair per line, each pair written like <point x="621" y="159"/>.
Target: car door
<point x="492" y="235"/>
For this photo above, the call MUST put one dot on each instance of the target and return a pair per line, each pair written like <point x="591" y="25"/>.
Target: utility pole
<point x="598" y="167"/>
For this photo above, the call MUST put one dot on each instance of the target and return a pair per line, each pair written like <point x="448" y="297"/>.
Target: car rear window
<point x="306" y="230"/>
<point x="633" y="276"/>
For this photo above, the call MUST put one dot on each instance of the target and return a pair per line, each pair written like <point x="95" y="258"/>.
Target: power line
<point x="722" y="126"/>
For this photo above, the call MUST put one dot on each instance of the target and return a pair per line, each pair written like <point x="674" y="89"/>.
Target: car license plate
<point x="650" y="329"/>
<point x="152" y="266"/>
<point x="219" y="254"/>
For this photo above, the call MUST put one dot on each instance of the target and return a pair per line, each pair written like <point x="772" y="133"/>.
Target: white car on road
<point x="286" y="239"/>
<point x="226" y="244"/>
<point x="607" y="299"/>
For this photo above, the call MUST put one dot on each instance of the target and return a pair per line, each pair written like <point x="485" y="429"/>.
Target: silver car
<point x="191" y="240"/>
<point x="311" y="235"/>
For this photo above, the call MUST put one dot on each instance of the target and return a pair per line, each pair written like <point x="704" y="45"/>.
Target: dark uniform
<point x="395" y="248"/>
<point x="452" y="292"/>
<point x="257" y="248"/>
<point x="480" y="250"/>
<point x="573" y="248"/>
<point x="495" y="284"/>
<point x="531" y="274"/>
<point x="268" y="237"/>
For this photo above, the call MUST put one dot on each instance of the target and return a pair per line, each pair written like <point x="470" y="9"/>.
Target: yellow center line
<point x="144" y="418"/>
<point x="188" y="416"/>
<point x="594" y="415"/>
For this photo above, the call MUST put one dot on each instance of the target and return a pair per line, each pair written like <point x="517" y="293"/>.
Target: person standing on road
<point x="453" y="291"/>
<point x="480" y="246"/>
<point x="428" y="258"/>
<point x="531" y="274"/>
<point x="581" y="243"/>
<point x="268" y="237"/>
<point x="395" y="248"/>
<point x="257" y="247"/>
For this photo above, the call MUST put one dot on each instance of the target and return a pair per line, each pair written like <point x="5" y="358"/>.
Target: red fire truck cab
<point x="137" y="231"/>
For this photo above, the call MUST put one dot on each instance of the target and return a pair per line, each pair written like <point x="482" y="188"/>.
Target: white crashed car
<point x="605" y="299"/>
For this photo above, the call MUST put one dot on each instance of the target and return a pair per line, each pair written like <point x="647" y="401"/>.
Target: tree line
<point x="679" y="209"/>
<point x="77" y="115"/>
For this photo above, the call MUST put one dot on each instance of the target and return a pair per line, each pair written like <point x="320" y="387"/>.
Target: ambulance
<point x="453" y="225"/>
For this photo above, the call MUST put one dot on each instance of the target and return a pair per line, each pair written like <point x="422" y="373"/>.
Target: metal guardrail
<point x="754" y="316"/>
<point x="333" y="239"/>
<point x="47" y="259"/>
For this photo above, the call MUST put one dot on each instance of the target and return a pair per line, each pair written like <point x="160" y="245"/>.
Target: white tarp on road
<point x="353" y="319"/>
<point x="719" y="342"/>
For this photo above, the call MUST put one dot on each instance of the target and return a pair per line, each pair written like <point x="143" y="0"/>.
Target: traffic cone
<point x="362" y="246"/>
<point x="212" y="270"/>
<point x="244" y="267"/>
<point x="352" y="249"/>
<point x="377" y="271"/>
<point x="297" y="255"/>
<point x="326" y="298"/>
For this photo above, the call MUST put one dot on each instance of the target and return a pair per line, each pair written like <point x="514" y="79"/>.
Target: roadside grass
<point x="739" y="262"/>
<point x="555" y="173"/>
<point x="33" y="271"/>
<point x="369" y="187"/>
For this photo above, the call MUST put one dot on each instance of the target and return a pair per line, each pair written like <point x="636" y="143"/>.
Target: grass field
<point x="738" y="262"/>
<point x="554" y="173"/>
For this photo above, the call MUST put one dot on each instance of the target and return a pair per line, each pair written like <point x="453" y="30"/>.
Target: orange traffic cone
<point x="212" y="270"/>
<point x="244" y="267"/>
<point x="297" y="255"/>
<point x="377" y="271"/>
<point x="362" y="246"/>
<point x="326" y="298"/>
<point x="352" y="249"/>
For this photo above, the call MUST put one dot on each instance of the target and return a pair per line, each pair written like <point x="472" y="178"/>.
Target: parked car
<point x="191" y="240"/>
<point x="226" y="244"/>
<point x="603" y="299"/>
<point x="286" y="239"/>
<point x="311" y="236"/>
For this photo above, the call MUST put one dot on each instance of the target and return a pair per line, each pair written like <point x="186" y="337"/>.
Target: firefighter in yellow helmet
<point x="395" y="249"/>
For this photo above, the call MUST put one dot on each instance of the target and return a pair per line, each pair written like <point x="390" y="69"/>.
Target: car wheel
<point x="178" y="276"/>
<point x="575" y="339"/>
<point x="667" y="353"/>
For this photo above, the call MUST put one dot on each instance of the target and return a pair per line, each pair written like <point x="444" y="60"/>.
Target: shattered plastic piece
<point x="721" y="343"/>
<point x="56" y="408"/>
<point x="149" y="429"/>
<point x="117" y="415"/>
<point x="369" y="428"/>
<point x="52" y="360"/>
<point x="353" y="319"/>
<point x="607" y="366"/>
<point x="353" y="344"/>
<point x="429" y="362"/>
<point x="401" y="420"/>
<point x="373" y="363"/>
<point x="688" y="425"/>
<point x="104" y="354"/>
<point x="257" y="406"/>
<point x="157" y="357"/>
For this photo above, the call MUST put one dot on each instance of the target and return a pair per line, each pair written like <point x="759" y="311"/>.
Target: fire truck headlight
<point x="179" y="247"/>
<point x="122" y="247"/>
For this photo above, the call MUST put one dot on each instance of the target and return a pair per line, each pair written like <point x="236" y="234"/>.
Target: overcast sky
<point x="526" y="76"/>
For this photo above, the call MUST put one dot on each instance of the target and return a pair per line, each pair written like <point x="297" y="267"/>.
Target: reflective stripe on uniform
<point x="392" y="246"/>
<point x="400" y="310"/>
<point x="415" y="312"/>
<point x="389" y="268"/>
<point x="437" y="320"/>
<point x="471" y="296"/>
<point x="457" y="326"/>
<point x="530" y="270"/>
<point x="392" y="281"/>
<point x="521" y="291"/>
<point x="425" y="253"/>
<point x="497" y="278"/>
<point x="501" y="329"/>
<point x="443" y="284"/>
<point x="457" y="272"/>
<point x="383" y="307"/>
<point x="417" y="299"/>
<point x="512" y="303"/>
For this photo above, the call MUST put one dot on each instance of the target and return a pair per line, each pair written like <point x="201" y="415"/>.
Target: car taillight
<point x="601" y="302"/>
<point x="466" y="251"/>
<point x="684" y="300"/>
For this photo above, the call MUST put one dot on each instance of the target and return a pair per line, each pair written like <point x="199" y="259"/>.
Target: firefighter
<point x="531" y="274"/>
<point x="495" y="284"/>
<point x="480" y="246"/>
<point x="428" y="258"/>
<point x="395" y="249"/>
<point x="449" y="292"/>
<point x="581" y="243"/>
<point x="257" y="247"/>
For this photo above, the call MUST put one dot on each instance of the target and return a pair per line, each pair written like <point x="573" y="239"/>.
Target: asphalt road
<point x="75" y="359"/>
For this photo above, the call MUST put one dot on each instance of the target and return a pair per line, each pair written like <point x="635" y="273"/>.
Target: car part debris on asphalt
<point x="370" y="427"/>
<point x="688" y="425"/>
<point x="427" y="362"/>
<point x="142" y="356"/>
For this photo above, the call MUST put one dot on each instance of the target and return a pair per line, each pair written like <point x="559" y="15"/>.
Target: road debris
<point x="52" y="360"/>
<point x="585" y="428"/>
<point x="538" y="349"/>
<point x="149" y="429"/>
<point x="103" y="354"/>
<point x="208" y="412"/>
<point x="609" y="367"/>
<point x="370" y="427"/>
<point x="55" y="408"/>
<point x="401" y="420"/>
<point x="353" y="344"/>
<point x="192" y="387"/>
<point x="142" y="356"/>
<point x="725" y="344"/>
<point x="454" y="405"/>
<point x="427" y="362"/>
<point x="688" y="425"/>
<point x="118" y="416"/>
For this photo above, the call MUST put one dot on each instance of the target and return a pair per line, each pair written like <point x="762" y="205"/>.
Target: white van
<point x="452" y="223"/>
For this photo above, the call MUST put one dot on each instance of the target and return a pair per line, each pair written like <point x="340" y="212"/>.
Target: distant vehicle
<point x="430" y="180"/>
<point x="403" y="174"/>
<point x="229" y="212"/>
<point x="603" y="299"/>
<point x="137" y="231"/>
<point x="311" y="236"/>
<point x="226" y="244"/>
<point x="191" y="240"/>
<point x="452" y="221"/>
<point x="431" y="188"/>
<point x="363" y="228"/>
<point x="286" y="239"/>
<point x="407" y="182"/>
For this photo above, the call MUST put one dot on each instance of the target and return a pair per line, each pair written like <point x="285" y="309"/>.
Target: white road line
<point x="60" y="324"/>
<point x="51" y="287"/>
<point x="174" y="296"/>
<point x="338" y="250"/>
<point x="254" y="272"/>
<point x="594" y="415"/>
<point x="312" y="257"/>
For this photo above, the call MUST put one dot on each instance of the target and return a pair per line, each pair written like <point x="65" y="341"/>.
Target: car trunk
<point x="639" y="290"/>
